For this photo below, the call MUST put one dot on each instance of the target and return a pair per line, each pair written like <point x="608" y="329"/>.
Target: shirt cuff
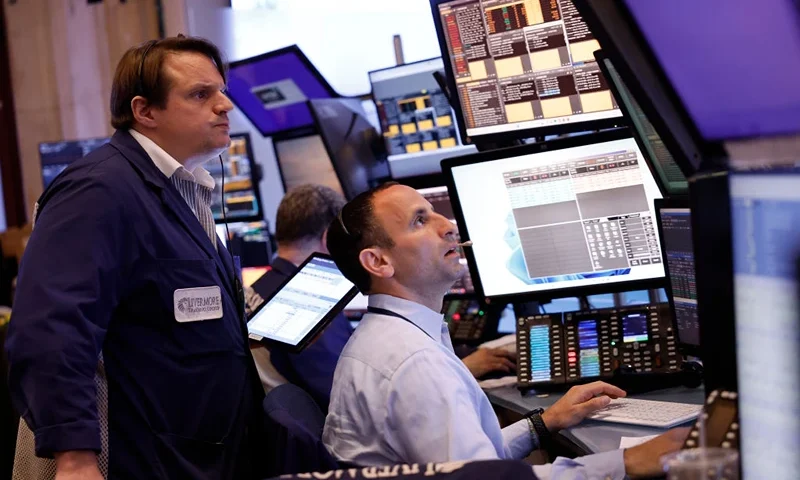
<point x="517" y="439"/>
<point x="67" y="437"/>
<point x="600" y="466"/>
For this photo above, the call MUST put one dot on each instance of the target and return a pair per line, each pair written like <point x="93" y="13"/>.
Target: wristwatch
<point x="537" y="427"/>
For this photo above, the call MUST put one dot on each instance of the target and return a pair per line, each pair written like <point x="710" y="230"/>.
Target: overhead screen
<point x="272" y="89"/>
<point x="765" y="211"/>
<point x="522" y="66"/>
<point x="559" y="220"/>
<point x="736" y="75"/>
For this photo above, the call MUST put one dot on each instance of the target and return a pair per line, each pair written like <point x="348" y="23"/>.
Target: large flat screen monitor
<point x="303" y="160"/>
<point x="735" y="65"/>
<point x="354" y="147"/>
<point x="765" y="212"/>
<point x="272" y="89"/>
<point x="522" y="68"/>
<point x="559" y="218"/>
<point x="56" y="156"/>
<point x="415" y="118"/>
<point x="242" y="201"/>
<point x="654" y="149"/>
<point x="675" y="229"/>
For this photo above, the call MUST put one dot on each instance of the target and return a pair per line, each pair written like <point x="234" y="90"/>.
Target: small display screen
<point x="540" y="353"/>
<point x="590" y="352"/>
<point x="634" y="328"/>
<point x="302" y="303"/>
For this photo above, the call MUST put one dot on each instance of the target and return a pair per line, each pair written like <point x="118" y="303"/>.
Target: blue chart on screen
<point x="540" y="353"/>
<point x="587" y="339"/>
<point x="634" y="328"/>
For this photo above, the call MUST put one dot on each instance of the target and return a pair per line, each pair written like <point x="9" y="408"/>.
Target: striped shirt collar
<point x="168" y="165"/>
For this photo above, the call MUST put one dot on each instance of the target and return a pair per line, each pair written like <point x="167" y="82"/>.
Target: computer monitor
<point x="667" y="170"/>
<point x="765" y="213"/>
<point x="272" y="89"/>
<point x="354" y="146"/>
<point x="303" y="160"/>
<point x="560" y="218"/>
<point x="415" y="118"/>
<point x="241" y="196"/>
<point x="439" y="198"/>
<point x="56" y="156"/>
<point x="675" y="229"/>
<point x="522" y="68"/>
<point x="736" y="76"/>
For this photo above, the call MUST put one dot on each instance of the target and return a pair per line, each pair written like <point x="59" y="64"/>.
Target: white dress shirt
<point x="401" y="395"/>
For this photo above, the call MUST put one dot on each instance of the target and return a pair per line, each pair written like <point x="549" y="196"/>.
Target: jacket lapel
<point x="171" y="199"/>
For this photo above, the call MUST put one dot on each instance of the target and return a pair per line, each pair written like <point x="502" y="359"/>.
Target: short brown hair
<point x="355" y="229"/>
<point x="146" y="78"/>
<point x="305" y="212"/>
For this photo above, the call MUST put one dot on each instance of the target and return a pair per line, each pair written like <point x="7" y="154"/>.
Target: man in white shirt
<point x="400" y="395"/>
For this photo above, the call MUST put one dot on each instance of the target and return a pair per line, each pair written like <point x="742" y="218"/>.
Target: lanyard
<point x="389" y="313"/>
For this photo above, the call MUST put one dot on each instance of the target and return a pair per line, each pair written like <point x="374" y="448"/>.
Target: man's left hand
<point x="486" y="360"/>
<point x="578" y="403"/>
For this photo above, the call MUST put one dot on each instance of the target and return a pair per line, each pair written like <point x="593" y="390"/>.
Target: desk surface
<point x="592" y="436"/>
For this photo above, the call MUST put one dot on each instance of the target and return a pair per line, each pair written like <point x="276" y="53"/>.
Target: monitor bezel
<point x="291" y="49"/>
<point x="601" y="58"/>
<point x="681" y="201"/>
<point x="552" y="145"/>
<point x="321" y="324"/>
<point x="253" y="179"/>
<point x="511" y="134"/>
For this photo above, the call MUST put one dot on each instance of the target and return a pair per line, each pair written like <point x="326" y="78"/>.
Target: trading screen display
<point x="523" y="64"/>
<point x="661" y="158"/>
<point x="56" y="156"/>
<point x="302" y="303"/>
<point x="241" y="199"/>
<point x="413" y="111"/>
<point x="765" y="212"/>
<point x="440" y="200"/>
<point x="561" y="219"/>
<point x="676" y="227"/>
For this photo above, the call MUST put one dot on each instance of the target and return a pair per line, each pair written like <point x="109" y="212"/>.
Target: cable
<point x="236" y="283"/>
<point x="224" y="216"/>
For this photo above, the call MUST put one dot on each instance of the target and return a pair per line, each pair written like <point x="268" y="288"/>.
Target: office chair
<point x="293" y="425"/>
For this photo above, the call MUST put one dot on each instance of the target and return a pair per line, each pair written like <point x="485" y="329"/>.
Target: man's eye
<point x="419" y="221"/>
<point x="200" y="94"/>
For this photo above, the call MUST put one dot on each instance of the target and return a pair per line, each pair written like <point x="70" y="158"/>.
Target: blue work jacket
<point x="113" y="242"/>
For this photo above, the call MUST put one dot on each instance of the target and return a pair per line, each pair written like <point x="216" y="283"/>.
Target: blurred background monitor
<point x="355" y="148"/>
<point x="303" y="160"/>
<point x="56" y="156"/>
<point x="522" y="69"/>
<point x="416" y="120"/>
<point x="272" y="89"/>
<point x="242" y="198"/>
<point x="667" y="170"/>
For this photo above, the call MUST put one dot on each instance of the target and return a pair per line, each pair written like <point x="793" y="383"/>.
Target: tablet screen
<point x="302" y="304"/>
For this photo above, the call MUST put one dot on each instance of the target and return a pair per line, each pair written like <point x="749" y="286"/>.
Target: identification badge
<point x="197" y="304"/>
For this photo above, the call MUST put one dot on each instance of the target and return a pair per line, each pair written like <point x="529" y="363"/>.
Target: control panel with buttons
<point x="576" y="346"/>
<point x="470" y="321"/>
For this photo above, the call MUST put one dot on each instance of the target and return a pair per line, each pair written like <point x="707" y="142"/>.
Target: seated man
<point x="399" y="394"/>
<point x="300" y="230"/>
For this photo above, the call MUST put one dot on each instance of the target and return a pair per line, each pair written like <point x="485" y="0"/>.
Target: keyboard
<point x="647" y="413"/>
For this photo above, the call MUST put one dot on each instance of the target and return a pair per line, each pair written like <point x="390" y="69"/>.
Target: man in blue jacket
<point x="128" y="347"/>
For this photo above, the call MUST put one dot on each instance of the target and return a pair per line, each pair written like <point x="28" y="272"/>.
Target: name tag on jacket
<point x="196" y="304"/>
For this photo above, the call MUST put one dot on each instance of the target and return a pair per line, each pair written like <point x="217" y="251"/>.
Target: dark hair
<point x="355" y="229"/>
<point x="140" y="72"/>
<point x="305" y="212"/>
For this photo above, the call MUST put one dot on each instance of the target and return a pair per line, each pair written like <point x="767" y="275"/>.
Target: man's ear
<point x="324" y="242"/>
<point x="376" y="263"/>
<point x="143" y="112"/>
